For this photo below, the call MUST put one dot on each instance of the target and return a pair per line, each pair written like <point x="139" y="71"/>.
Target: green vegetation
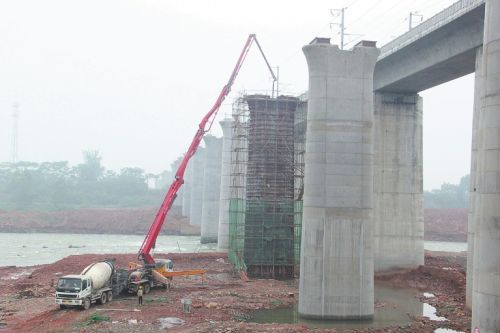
<point x="449" y="195"/>
<point x="50" y="186"/>
<point x="58" y="186"/>
<point x="92" y="319"/>
<point x="240" y="316"/>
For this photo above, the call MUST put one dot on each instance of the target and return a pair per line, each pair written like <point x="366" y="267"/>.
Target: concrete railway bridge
<point x="363" y="158"/>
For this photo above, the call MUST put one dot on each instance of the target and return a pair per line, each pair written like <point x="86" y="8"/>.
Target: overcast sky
<point x="132" y="78"/>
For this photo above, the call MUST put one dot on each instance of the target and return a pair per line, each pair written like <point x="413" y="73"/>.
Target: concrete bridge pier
<point x="486" y="279"/>
<point x="336" y="271"/>
<point x="196" y="204"/>
<point x="478" y="88"/>
<point x="398" y="182"/>
<point x="180" y="194"/>
<point x="211" y="189"/>
<point x="223" y="234"/>
<point x="188" y="182"/>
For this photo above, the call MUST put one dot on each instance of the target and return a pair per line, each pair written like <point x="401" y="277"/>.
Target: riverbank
<point x="440" y="224"/>
<point x="133" y="221"/>
<point x="224" y="303"/>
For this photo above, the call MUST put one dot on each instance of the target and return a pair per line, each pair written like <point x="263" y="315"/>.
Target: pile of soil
<point x="221" y="303"/>
<point x="95" y="221"/>
<point x="446" y="224"/>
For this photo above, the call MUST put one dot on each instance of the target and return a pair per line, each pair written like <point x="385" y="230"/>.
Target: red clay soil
<point x="219" y="305"/>
<point x="440" y="224"/>
<point x="100" y="221"/>
<point x="446" y="224"/>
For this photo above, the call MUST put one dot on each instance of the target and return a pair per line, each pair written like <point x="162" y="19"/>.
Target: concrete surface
<point x="336" y="271"/>
<point x="180" y="194"/>
<point x="223" y="234"/>
<point x="478" y="88"/>
<point x="188" y="182"/>
<point x="486" y="279"/>
<point x="211" y="189"/>
<point x="198" y="164"/>
<point x="398" y="182"/>
<point x="438" y="50"/>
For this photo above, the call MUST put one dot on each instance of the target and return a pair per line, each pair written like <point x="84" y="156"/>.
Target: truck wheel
<point x="104" y="298"/>
<point x="147" y="288"/>
<point x="110" y="296"/>
<point x="86" y="304"/>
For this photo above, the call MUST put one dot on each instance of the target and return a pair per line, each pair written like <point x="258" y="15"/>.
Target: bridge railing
<point x="444" y="17"/>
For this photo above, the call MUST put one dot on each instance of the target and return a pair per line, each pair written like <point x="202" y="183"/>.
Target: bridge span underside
<point x="439" y="54"/>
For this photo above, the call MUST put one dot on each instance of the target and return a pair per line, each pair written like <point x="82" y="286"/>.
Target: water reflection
<point x="392" y="307"/>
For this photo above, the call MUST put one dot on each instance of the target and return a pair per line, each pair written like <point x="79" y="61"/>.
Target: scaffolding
<point x="264" y="230"/>
<point x="299" y="142"/>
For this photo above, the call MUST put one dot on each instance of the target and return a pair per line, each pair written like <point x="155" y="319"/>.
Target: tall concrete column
<point x="478" y="88"/>
<point x="486" y="279"/>
<point x="223" y="234"/>
<point x="180" y="194"/>
<point x="211" y="189"/>
<point x="398" y="182"/>
<point x="196" y="204"/>
<point x="336" y="263"/>
<point x="188" y="182"/>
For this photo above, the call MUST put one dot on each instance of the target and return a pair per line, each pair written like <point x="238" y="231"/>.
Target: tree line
<point x="58" y="186"/>
<point x="449" y="195"/>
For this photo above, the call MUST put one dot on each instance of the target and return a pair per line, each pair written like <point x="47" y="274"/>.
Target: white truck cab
<point x="75" y="290"/>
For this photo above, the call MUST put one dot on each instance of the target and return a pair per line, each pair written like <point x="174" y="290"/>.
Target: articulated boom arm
<point x="204" y="126"/>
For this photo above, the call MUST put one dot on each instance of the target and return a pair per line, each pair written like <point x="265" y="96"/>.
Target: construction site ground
<point x="223" y="303"/>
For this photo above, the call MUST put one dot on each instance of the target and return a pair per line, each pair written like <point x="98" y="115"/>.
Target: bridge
<point x="439" y="50"/>
<point x="363" y="161"/>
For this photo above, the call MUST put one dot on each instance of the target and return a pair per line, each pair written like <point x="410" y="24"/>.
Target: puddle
<point x="430" y="312"/>
<point x="392" y="306"/>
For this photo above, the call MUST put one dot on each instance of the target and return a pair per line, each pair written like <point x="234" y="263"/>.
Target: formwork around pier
<point x="264" y="209"/>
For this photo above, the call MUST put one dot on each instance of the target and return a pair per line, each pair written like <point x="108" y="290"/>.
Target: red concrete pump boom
<point x="204" y="126"/>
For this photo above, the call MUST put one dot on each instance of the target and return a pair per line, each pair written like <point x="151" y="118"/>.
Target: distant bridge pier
<point x="486" y="278"/>
<point x="398" y="182"/>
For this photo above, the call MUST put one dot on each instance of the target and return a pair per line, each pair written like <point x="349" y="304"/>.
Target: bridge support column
<point x="336" y="264"/>
<point x="196" y="204"/>
<point x="398" y="182"/>
<point x="211" y="189"/>
<point x="188" y="182"/>
<point x="478" y="88"/>
<point x="223" y="235"/>
<point x="486" y="279"/>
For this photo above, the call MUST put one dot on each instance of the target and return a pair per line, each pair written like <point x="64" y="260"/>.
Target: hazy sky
<point x="132" y="78"/>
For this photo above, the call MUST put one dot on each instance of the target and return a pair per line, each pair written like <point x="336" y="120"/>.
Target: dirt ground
<point x="446" y="224"/>
<point x="220" y="304"/>
<point x="100" y="221"/>
<point x="440" y="224"/>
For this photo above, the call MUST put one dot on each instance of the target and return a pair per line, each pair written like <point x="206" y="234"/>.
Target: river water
<point x="19" y="249"/>
<point x="42" y="248"/>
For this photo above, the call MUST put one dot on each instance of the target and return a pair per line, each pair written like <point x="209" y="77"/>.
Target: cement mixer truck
<point x="97" y="283"/>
